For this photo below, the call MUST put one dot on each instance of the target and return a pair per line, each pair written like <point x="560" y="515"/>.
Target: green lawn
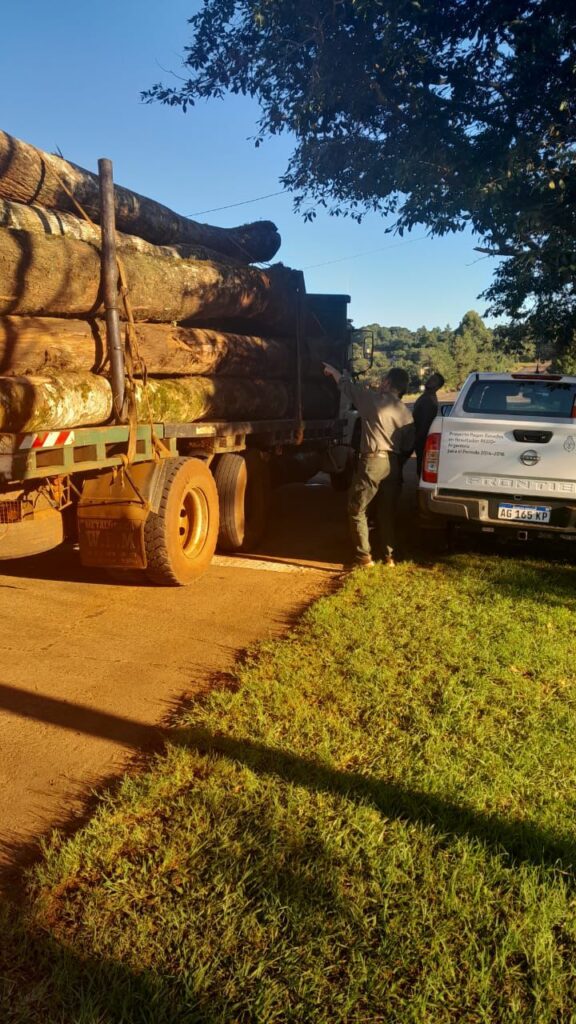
<point x="375" y="822"/>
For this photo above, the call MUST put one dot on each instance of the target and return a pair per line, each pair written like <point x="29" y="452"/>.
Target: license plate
<point x="525" y="513"/>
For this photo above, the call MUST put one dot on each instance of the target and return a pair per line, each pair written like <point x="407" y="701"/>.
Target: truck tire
<point x="180" y="538"/>
<point x="243" y="483"/>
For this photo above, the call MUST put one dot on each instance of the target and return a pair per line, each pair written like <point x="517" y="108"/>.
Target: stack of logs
<point x="216" y="335"/>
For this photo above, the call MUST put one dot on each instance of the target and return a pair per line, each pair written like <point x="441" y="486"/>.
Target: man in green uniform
<point x="386" y="441"/>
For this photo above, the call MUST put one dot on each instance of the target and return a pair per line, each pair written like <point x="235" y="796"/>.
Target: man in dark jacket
<point x="386" y="441"/>
<point x="424" y="412"/>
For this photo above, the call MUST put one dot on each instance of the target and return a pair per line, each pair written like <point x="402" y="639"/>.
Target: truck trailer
<point x="142" y="492"/>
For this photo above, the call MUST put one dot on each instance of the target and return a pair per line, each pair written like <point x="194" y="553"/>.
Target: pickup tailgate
<point x="531" y="458"/>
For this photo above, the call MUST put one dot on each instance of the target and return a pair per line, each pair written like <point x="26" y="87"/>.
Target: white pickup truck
<point x="504" y="458"/>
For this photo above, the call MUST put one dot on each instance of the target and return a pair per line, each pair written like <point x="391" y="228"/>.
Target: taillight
<point x="431" y="459"/>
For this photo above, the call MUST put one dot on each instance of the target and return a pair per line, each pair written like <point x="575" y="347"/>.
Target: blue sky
<point x="70" y="80"/>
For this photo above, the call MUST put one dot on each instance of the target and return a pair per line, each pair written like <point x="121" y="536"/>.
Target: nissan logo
<point x="530" y="458"/>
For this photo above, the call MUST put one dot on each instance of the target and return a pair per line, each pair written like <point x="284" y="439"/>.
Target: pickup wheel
<point x="180" y="537"/>
<point x="243" y="483"/>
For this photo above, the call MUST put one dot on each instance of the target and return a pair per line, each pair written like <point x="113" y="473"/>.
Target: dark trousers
<point x="377" y="477"/>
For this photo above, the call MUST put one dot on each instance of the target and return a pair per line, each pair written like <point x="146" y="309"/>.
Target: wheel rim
<point x="193" y="522"/>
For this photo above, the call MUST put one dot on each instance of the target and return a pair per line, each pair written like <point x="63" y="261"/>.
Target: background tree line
<point x="452" y="352"/>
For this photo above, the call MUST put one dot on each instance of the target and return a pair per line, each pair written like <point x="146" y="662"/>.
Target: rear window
<point x="548" y="399"/>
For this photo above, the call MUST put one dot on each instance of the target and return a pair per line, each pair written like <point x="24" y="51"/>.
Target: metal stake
<point x="110" y="290"/>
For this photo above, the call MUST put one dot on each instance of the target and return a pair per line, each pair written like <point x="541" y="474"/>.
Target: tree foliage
<point x="453" y="353"/>
<point x="439" y="112"/>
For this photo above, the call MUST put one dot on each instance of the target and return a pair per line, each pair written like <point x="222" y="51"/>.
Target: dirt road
<point x="90" y="670"/>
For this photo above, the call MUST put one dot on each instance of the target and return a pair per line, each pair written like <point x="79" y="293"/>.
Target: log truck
<point x="146" y="495"/>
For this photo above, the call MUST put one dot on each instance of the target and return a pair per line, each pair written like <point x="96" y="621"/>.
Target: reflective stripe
<point x="47" y="439"/>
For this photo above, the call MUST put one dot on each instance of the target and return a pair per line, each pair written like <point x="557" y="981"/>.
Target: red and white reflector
<point x="48" y="439"/>
<point x="431" y="459"/>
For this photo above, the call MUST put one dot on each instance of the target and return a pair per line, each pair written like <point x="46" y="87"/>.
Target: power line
<point x="369" y="252"/>
<point x="311" y="266"/>
<point x="245" y="202"/>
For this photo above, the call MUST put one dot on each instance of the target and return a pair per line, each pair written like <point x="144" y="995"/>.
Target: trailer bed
<point x="85" y="449"/>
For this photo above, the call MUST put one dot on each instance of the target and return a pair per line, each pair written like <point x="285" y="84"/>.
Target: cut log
<point x="47" y="403"/>
<point x="30" y="345"/>
<point x="66" y="400"/>
<point x="29" y="175"/>
<point x="43" y="274"/>
<point x="213" y="398"/>
<point x="83" y="399"/>
<point x="20" y="217"/>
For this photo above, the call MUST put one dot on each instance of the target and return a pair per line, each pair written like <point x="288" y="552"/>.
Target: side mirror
<point x="368" y="346"/>
<point x="361" y="347"/>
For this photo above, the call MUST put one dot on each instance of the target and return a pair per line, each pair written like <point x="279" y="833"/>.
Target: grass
<point x="374" y="823"/>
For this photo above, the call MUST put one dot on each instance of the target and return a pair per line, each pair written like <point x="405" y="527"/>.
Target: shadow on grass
<point x="543" y="570"/>
<point x="547" y="582"/>
<point x="43" y="982"/>
<point x="39" y="975"/>
<point x="520" y="841"/>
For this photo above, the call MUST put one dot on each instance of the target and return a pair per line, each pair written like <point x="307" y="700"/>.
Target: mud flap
<point x="112" y="511"/>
